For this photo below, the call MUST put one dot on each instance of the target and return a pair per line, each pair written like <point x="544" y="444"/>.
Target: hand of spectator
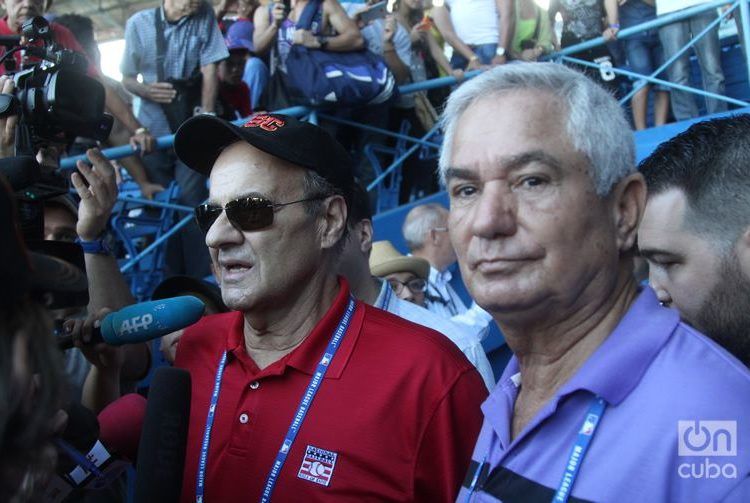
<point x="499" y="60"/>
<point x="417" y="34"/>
<point x="7" y="124"/>
<point x="306" y="38"/>
<point x="148" y="189"/>
<point x="389" y="28"/>
<point x="458" y="74"/>
<point x="160" y="92"/>
<point x="168" y="345"/>
<point x="531" y="54"/>
<point x="100" y="355"/>
<point x="278" y="13"/>
<point x="610" y="33"/>
<point x="98" y="198"/>
<point x="143" y="141"/>
<point x="474" y="64"/>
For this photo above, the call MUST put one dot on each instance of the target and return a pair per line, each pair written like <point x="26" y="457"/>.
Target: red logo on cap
<point x="265" y="122"/>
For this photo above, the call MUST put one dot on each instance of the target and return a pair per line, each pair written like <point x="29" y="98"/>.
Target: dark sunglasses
<point x="245" y="213"/>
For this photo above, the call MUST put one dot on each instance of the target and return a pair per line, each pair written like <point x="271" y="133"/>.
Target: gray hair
<point x="419" y="221"/>
<point x="596" y="123"/>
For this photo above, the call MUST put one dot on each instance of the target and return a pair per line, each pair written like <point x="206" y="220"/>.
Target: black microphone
<point x="161" y="451"/>
<point x="10" y="40"/>
<point x="144" y="322"/>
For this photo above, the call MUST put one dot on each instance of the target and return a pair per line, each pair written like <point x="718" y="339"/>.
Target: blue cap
<point x="240" y="36"/>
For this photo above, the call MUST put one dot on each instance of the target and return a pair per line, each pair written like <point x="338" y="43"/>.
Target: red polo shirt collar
<point x="306" y="356"/>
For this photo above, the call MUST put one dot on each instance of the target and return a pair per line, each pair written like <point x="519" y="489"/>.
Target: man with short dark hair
<point x="608" y="395"/>
<point x="303" y="393"/>
<point x="695" y="231"/>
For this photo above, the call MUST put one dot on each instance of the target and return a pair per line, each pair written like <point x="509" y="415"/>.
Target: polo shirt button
<point x="243" y="418"/>
<point x="254" y="385"/>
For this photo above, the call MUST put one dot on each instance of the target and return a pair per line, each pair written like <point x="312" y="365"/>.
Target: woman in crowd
<point x="582" y="21"/>
<point x="533" y="35"/>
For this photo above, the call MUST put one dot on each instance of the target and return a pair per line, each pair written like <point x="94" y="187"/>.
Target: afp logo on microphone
<point x="136" y="324"/>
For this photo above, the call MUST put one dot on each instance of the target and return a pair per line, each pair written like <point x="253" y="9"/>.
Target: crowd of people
<point x="330" y="366"/>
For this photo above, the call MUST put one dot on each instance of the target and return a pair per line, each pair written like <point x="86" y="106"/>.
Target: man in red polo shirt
<point x="303" y="393"/>
<point x="20" y="11"/>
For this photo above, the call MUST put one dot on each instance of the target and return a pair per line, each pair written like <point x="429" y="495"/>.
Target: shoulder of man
<point x="418" y="343"/>
<point x="205" y="336"/>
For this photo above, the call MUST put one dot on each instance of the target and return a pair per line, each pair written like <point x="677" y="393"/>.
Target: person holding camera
<point x="175" y="48"/>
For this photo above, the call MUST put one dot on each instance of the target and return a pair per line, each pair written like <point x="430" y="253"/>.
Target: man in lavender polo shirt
<point x="608" y="397"/>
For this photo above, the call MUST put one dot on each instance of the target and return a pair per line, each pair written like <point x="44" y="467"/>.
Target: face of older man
<point x="526" y="223"/>
<point x="263" y="267"/>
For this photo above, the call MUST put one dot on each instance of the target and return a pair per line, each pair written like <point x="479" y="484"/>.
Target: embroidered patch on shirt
<point x="317" y="466"/>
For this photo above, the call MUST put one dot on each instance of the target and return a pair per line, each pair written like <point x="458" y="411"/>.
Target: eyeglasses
<point x="416" y="285"/>
<point x="249" y="213"/>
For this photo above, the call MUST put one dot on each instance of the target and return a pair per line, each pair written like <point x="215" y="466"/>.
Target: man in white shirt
<point x="354" y="266"/>
<point x="425" y="230"/>
<point x="479" y="31"/>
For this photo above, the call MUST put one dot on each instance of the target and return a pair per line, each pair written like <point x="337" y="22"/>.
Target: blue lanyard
<point x="581" y="446"/>
<point x="585" y="434"/>
<point x="299" y="416"/>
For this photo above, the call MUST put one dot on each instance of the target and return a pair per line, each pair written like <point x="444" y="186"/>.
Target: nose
<point x="406" y="294"/>
<point x="222" y="233"/>
<point x="496" y="212"/>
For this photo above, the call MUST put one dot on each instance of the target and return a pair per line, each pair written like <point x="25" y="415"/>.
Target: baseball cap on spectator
<point x="52" y="280"/>
<point x="385" y="260"/>
<point x="240" y="36"/>
<point x="201" y="139"/>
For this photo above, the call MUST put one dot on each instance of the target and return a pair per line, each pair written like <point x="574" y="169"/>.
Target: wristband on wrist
<point x="97" y="247"/>
<point x="615" y="26"/>
<point x="141" y="130"/>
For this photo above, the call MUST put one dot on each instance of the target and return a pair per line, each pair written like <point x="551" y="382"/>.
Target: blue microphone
<point x="144" y="322"/>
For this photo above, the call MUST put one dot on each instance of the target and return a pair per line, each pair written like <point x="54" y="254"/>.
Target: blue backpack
<point x="355" y="78"/>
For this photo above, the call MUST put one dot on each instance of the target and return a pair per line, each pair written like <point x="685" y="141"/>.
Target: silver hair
<point x="596" y="123"/>
<point x="419" y="221"/>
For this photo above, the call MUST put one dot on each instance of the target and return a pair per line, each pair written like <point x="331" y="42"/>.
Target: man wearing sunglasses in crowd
<point x="303" y="393"/>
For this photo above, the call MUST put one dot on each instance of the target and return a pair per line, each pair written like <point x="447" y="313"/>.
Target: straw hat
<point x="385" y="259"/>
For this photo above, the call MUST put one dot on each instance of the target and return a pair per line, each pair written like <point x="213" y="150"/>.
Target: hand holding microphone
<point x="133" y="324"/>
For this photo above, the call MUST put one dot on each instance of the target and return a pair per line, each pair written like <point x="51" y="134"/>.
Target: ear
<point x="743" y="252"/>
<point x="628" y="203"/>
<point x="365" y="236"/>
<point x="333" y="221"/>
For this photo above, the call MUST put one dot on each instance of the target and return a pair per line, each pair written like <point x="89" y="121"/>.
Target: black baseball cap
<point x="200" y="140"/>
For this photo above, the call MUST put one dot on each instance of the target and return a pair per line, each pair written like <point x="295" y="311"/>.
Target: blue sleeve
<point x="131" y="63"/>
<point x="214" y="49"/>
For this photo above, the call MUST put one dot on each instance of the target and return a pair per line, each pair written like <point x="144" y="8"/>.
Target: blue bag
<point x="354" y="78"/>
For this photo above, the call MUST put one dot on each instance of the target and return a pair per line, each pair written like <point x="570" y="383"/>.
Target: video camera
<point x="55" y="102"/>
<point x="54" y="98"/>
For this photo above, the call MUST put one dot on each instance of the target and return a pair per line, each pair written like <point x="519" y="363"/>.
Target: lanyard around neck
<point x="298" y="418"/>
<point x="575" y="459"/>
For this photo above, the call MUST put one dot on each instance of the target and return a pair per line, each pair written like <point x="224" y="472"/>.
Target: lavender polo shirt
<point x="676" y="428"/>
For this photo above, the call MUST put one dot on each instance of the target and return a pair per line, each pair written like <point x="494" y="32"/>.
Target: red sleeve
<point x="447" y="443"/>
<point x="67" y="40"/>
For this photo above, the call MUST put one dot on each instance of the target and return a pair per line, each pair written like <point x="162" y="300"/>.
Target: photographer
<point x="20" y="11"/>
<point x="97" y="188"/>
<point x="175" y="48"/>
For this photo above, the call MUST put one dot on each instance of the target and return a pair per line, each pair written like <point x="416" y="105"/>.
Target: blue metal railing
<point x="313" y="115"/>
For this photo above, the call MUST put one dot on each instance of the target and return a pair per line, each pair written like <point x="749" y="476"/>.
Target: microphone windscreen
<point x="121" y="424"/>
<point x="149" y="320"/>
<point x="161" y="452"/>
